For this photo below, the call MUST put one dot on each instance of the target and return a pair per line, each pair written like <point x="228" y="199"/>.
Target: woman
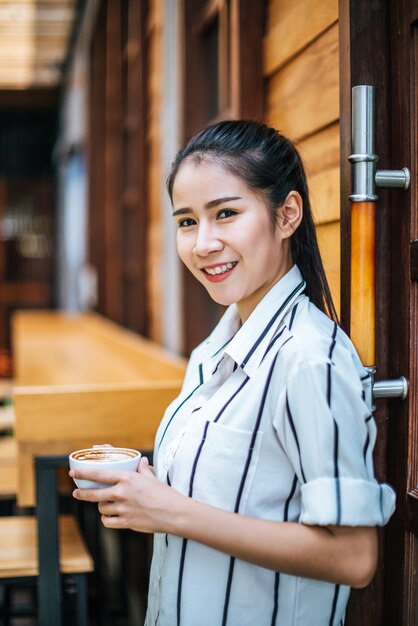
<point x="264" y="503"/>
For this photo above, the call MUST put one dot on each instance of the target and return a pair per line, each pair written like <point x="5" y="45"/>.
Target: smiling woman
<point x="219" y="234"/>
<point x="264" y="501"/>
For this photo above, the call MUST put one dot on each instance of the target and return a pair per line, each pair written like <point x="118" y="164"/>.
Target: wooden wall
<point x="155" y="173"/>
<point x="301" y="78"/>
<point x="301" y="74"/>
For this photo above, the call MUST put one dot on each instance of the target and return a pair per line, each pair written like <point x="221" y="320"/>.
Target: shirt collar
<point x="246" y="345"/>
<point x="221" y="335"/>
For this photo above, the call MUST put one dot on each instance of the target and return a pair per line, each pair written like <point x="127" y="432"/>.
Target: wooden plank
<point x="324" y="191"/>
<point x="33" y="42"/>
<point x="19" y="547"/>
<point x="8" y="451"/>
<point x="60" y="420"/>
<point x="8" y="467"/>
<point x="85" y="349"/>
<point x="412" y="511"/>
<point x="321" y="151"/>
<point x="329" y="245"/>
<point x="154" y="179"/>
<point x="304" y="96"/>
<point x="20" y="56"/>
<point x="28" y="79"/>
<point x="129" y="412"/>
<point x="246" y="72"/>
<point x="113" y="189"/>
<point x="292" y="27"/>
<point x="414" y="260"/>
<point x="8" y="481"/>
<point x="11" y="32"/>
<point x="135" y="219"/>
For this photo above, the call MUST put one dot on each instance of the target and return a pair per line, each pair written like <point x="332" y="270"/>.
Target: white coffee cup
<point x="106" y="458"/>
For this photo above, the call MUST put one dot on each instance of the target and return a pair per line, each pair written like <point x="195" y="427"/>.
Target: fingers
<point x="108" y="508"/>
<point x="112" y="521"/>
<point x="100" y="476"/>
<point x="104" y="494"/>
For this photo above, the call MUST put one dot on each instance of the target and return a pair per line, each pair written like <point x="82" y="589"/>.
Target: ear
<point x="291" y="213"/>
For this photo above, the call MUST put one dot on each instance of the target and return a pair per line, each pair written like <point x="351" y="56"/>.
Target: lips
<point x="216" y="273"/>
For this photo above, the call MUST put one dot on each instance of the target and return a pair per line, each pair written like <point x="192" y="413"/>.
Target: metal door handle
<point x="365" y="176"/>
<point x="395" y="388"/>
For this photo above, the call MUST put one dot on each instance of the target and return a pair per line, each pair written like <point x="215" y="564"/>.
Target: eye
<point x="226" y="213"/>
<point x="185" y="222"/>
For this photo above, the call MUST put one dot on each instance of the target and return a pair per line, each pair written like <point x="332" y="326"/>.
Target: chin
<point x="222" y="300"/>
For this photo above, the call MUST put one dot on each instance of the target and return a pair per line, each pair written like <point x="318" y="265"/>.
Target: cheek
<point x="184" y="248"/>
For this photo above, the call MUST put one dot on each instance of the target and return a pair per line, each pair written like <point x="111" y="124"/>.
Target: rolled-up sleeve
<point x="328" y="433"/>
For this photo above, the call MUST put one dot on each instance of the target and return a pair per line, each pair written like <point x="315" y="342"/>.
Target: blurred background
<point x="96" y="96"/>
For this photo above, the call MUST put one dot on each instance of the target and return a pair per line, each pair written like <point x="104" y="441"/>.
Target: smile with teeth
<point x="220" y="269"/>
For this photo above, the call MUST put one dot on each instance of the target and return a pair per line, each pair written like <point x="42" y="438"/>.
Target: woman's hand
<point x="141" y="502"/>
<point x="135" y="500"/>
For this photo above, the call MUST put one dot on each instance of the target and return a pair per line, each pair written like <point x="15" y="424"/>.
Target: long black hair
<point x="270" y="165"/>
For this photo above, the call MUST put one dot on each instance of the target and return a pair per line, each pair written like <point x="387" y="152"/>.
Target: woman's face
<point x="225" y="236"/>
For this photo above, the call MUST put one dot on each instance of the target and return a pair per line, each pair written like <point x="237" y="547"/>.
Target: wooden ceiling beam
<point x="34" y="40"/>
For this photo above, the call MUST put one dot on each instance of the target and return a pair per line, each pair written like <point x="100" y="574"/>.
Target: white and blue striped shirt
<point x="273" y="421"/>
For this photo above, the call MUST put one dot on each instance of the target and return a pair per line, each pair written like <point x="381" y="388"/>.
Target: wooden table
<point x="80" y="380"/>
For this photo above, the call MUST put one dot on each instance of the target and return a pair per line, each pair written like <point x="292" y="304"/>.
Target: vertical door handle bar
<point x="365" y="179"/>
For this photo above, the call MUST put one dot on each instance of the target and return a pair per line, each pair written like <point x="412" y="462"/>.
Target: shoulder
<point x="319" y="368"/>
<point x="314" y="341"/>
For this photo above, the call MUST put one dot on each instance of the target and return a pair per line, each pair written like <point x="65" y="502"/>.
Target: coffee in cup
<point x="107" y="458"/>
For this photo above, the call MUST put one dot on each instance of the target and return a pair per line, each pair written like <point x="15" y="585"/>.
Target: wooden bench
<point x="80" y="380"/>
<point x="19" y="547"/>
<point x="47" y="547"/>
<point x="19" y="555"/>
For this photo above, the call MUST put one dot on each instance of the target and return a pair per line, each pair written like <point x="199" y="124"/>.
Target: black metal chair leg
<point x="81" y="600"/>
<point x="49" y="579"/>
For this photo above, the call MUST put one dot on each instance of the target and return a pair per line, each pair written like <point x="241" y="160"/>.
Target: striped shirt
<point x="273" y="421"/>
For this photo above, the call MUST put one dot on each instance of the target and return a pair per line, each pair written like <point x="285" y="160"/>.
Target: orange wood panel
<point x="321" y="151"/>
<point x="304" y="96"/>
<point x="329" y="246"/>
<point x="291" y="26"/>
<point x="324" y="190"/>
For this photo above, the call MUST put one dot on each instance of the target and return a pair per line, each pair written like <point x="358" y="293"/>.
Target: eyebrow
<point x="209" y="205"/>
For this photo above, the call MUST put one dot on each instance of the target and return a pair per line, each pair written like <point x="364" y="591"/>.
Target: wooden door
<point x="379" y="46"/>
<point x="402" y="556"/>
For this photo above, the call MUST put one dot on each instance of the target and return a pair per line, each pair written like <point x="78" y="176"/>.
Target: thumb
<point x="144" y="468"/>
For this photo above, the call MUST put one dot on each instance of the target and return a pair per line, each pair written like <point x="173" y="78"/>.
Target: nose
<point x="207" y="240"/>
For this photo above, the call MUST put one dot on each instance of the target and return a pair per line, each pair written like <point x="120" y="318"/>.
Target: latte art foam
<point x="100" y="455"/>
